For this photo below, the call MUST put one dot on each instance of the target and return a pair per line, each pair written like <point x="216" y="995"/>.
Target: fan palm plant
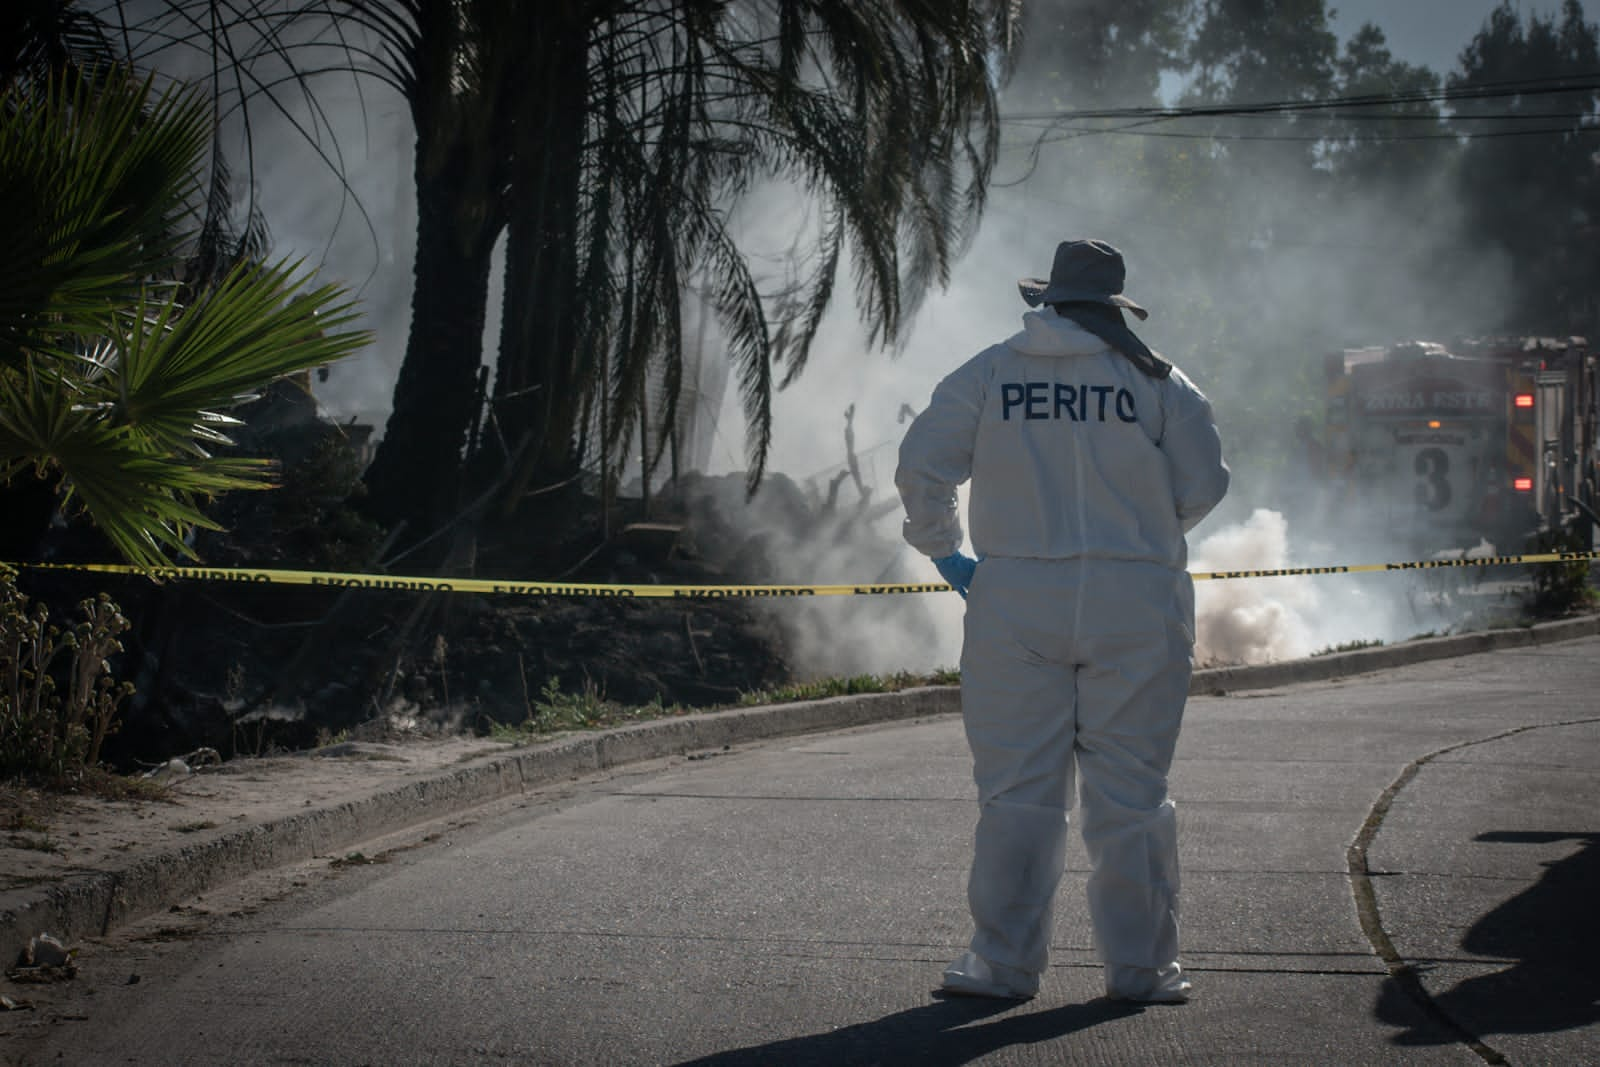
<point x="115" y="377"/>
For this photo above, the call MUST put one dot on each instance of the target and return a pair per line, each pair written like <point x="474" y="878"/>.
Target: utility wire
<point x="1069" y="133"/>
<point x="1054" y="126"/>
<point x="1369" y="116"/>
<point x="1579" y="83"/>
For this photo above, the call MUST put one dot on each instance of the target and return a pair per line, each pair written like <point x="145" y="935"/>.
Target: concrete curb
<point x="93" y="904"/>
<point x="1366" y="660"/>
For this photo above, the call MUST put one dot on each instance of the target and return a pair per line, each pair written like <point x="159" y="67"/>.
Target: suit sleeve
<point x="936" y="456"/>
<point x="1193" y="448"/>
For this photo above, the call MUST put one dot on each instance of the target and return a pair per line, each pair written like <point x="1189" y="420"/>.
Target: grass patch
<point x="108" y="785"/>
<point x="556" y="711"/>
<point x="24" y="822"/>
<point x="839" y="687"/>
<point x="31" y="802"/>
<point x="821" y="689"/>
<point x="357" y="859"/>
<point x="33" y="842"/>
<point x="1348" y="646"/>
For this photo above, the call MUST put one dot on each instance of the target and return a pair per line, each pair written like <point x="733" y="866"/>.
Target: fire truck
<point x="1444" y="446"/>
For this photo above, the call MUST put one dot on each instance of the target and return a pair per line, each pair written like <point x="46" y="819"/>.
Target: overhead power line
<point x="1066" y="125"/>
<point x="1069" y="133"/>
<point x="1375" y="116"/>
<point x="1581" y="83"/>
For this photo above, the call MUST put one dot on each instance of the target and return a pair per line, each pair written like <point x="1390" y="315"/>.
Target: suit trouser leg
<point x="1018" y="713"/>
<point x="1131" y="707"/>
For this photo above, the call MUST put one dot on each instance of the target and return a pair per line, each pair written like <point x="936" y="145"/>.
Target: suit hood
<point x="1045" y="333"/>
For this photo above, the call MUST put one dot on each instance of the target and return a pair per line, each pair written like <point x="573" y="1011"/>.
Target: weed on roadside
<point x="33" y="842"/>
<point x="357" y="859"/>
<point x="108" y="785"/>
<point x="23" y="822"/>
<point x="59" y="698"/>
<point x="1347" y="646"/>
<point x="1561" y="589"/>
<point x="837" y="687"/>
<point x="556" y="711"/>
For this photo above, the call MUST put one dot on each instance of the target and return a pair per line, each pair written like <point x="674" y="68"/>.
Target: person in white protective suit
<point x="1090" y="458"/>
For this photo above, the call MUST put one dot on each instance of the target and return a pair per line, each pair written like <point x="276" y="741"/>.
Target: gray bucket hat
<point x="1083" y="270"/>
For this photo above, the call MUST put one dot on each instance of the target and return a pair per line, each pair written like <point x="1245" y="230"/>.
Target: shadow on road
<point x="941" y="1034"/>
<point x="1551" y="934"/>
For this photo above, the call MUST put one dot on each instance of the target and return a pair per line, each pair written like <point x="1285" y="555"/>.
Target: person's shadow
<point x="1551" y="934"/>
<point x="940" y="1034"/>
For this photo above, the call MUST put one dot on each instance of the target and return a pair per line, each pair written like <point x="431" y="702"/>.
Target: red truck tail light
<point x="1522" y="485"/>
<point x="1523" y="400"/>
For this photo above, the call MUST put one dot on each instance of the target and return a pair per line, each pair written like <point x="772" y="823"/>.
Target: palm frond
<point x="98" y="181"/>
<point x="105" y="375"/>
<point x="257" y="325"/>
<point x="42" y="40"/>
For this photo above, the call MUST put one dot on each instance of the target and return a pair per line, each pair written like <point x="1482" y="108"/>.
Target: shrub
<point x="58" y="697"/>
<point x="1560" y="588"/>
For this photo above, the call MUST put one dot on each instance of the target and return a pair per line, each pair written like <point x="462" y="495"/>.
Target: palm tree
<point x="610" y="142"/>
<point x="115" y="376"/>
<point x="670" y="114"/>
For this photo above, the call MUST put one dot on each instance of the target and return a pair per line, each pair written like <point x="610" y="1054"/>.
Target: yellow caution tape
<point x="342" y="580"/>
<point x="1417" y="565"/>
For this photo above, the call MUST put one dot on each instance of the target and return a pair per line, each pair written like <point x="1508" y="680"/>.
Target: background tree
<point x="1384" y="146"/>
<point x="1095" y="53"/>
<point x="1247" y="214"/>
<point x="1385" y="213"/>
<point x="1529" y="177"/>
<point x="1246" y="52"/>
<point x="1254" y="51"/>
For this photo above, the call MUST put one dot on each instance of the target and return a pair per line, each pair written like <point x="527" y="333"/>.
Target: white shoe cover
<point x="973" y="976"/>
<point x="1147" y="985"/>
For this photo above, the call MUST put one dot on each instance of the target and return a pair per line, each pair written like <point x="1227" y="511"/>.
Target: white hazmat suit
<point x="1086" y="473"/>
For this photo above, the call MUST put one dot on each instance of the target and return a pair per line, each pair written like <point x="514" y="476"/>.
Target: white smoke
<point x="1365" y="273"/>
<point x="1252" y="620"/>
<point x="1249" y="621"/>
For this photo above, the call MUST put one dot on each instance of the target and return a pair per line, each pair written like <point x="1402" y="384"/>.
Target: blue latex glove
<point x="957" y="569"/>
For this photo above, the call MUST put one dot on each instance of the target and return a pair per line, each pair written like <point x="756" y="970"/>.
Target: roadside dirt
<point x="48" y="837"/>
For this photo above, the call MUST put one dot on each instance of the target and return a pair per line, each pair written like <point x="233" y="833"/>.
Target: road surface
<point x="793" y="902"/>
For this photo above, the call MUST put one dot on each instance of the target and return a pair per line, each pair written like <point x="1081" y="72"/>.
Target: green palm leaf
<point x="105" y="376"/>
<point x="98" y="183"/>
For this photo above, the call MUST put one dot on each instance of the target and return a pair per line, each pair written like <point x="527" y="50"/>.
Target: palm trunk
<point x="540" y="379"/>
<point x="415" y="476"/>
<point x="416" y="472"/>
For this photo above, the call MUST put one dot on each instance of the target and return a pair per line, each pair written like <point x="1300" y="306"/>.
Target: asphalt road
<point x="793" y="903"/>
